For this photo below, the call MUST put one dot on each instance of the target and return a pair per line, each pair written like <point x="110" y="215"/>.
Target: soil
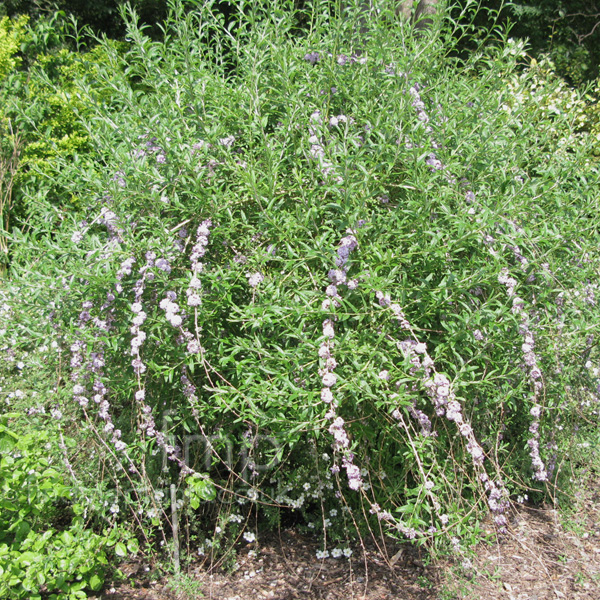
<point x="545" y="555"/>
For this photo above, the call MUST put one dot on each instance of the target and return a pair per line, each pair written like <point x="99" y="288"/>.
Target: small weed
<point x="580" y="578"/>
<point x="186" y="587"/>
<point x="424" y="583"/>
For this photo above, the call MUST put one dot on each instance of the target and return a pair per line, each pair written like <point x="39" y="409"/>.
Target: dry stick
<point x="8" y="166"/>
<point x="537" y="558"/>
<point x="114" y="456"/>
<point x="419" y="465"/>
<point x="175" y="523"/>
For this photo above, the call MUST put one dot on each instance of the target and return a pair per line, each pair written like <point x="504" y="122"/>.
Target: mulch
<point x="544" y="556"/>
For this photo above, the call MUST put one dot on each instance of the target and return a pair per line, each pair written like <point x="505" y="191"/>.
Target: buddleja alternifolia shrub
<point x="321" y="269"/>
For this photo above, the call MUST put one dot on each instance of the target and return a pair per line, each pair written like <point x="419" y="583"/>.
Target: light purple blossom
<point x="255" y="279"/>
<point x="312" y="57"/>
<point x="163" y="265"/>
<point x="227" y="141"/>
<point x="193" y="347"/>
<point x="328" y="330"/>
<point x="329" y="379"/>
<point x="193" y="298"/>
<point x="326" y="395"/>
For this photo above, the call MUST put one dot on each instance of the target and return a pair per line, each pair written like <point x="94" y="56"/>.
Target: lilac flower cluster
<point x="421" y="418"/>
<point x="81" y="374"/>
<point x="138" y="319"/>
<point x="119" y="177"/>
<point x="317" y="150"/>
<point x="518" y="256"/>
<point x="339" y="276"/>
<point x="193" y="292"/>
<point x="341" y="442"/>
<point x="189" y="391"/>
<point x="419" y="107"/>
<point x="124" y="270"/>
<point x="439" y="390"/>
<point x="336" y="429"/>
<point x="255" y="279"/>
<point x="510" y="284"/>
<point x="151" y="148"/>
<point x="432" y="161"/>
<point x="199" y="249"/>
<point x="173" y="313"/>
<point x="535" y="375"/>
<point x="341" y="59"/>
<point x="109" y="219"/>
<point x="147" y="423"/>
<point x="409" y="533"/>
<point x="172" y="309"/>
<point x="497" y="499"/>
<point x="83" y="371"/>
<point x="312" y="57"/>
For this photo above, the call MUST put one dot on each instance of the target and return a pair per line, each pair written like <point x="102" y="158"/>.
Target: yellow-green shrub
<point x="547" y="97"/>
<point x="12" y="33"/>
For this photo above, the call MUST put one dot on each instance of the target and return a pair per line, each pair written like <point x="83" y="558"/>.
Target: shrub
<point x="11" y="35"/>
<point x="45" y="545"/>
<point x="323" y="272"/>
<point x="41" y="120"/>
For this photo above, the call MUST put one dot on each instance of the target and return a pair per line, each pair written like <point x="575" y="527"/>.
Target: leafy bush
<point x="326" y="275"/>
<point x="44" y="543"/>
<point x="41" y="118"/>
<point x="546" y="98"/>
<point x="566" y="32"/>
<point x="11" y="34"/>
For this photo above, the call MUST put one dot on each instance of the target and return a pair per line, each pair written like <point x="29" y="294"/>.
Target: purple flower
<point x="324" y="351"/>
<point x="227" y="141"/>
<point x="433" y="162"/>
<point x="194" y="299"/>
<point x="255" y="279"/>
<point x="329" y="379"/>
<point x="163" y="265"/>
<point x="312" y="57"/>
<point x="138" y="366"/>
<point x="331" y="291"/>
<point x="328" y="330"/>
<point x="193" y="347"/>
<point x="326" y="395"/>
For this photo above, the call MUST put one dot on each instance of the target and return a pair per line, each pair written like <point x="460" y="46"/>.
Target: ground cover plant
<point x="317" y="270"/>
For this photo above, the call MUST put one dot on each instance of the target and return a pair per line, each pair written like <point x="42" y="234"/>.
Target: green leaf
<point x="95" y="582"/>
<point x="133" y="546"/>
<point x="68" y="538"/>
<point x="8" y="441"/>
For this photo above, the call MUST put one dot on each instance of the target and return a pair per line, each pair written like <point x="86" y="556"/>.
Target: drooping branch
<point x="8" y="169"/>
